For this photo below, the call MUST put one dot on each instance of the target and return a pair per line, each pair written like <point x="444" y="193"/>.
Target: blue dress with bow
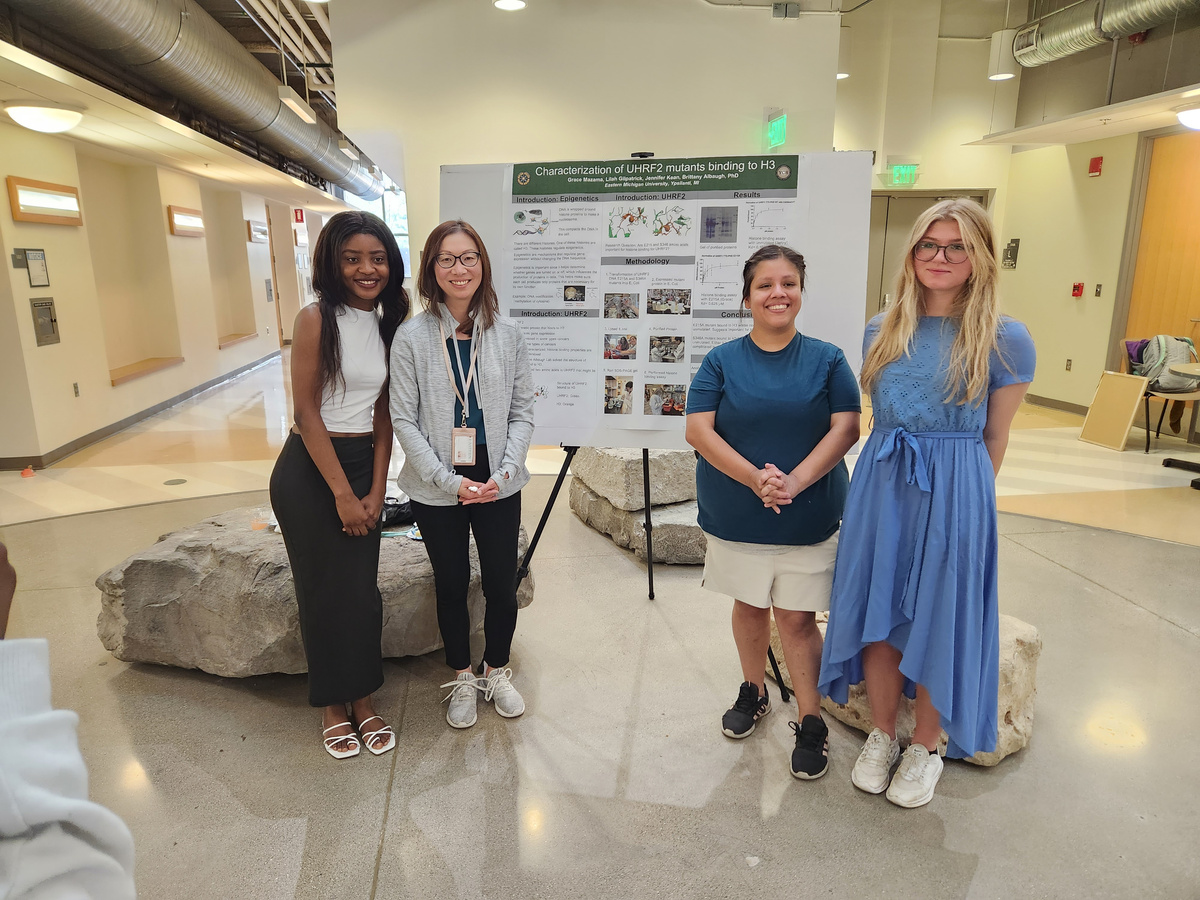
<point x="916" y="563"/>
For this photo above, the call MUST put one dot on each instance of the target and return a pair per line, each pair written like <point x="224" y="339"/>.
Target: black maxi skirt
<point x="336" y="575"/>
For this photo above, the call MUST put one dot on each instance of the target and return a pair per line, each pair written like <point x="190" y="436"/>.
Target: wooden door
<point x="1166" y="282"/>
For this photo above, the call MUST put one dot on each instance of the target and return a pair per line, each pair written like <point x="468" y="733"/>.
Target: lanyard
<point x="467" y="376"/>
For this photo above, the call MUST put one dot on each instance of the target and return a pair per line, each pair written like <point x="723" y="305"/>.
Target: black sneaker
<point x="739" y="721"/>
<point x="810" y="759"/>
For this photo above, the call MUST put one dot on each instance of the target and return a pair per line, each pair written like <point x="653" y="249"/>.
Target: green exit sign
<point x="904" y="174"/>
<point x="777" y="131"/>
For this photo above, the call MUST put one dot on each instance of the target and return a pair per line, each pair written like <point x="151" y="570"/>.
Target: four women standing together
<point x="903" y="555"/>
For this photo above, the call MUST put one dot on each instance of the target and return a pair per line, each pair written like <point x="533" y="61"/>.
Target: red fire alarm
<point x="1094" y="165"/>
<point x="1077" y="289"/>
<point x="299" y="213"/>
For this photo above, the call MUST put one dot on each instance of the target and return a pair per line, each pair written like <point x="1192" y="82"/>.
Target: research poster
<point x="623" y="274"/>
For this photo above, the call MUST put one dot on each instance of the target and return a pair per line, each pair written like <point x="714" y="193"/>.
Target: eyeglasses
<point x="927" y="251"/>
<point x="470" y="259"/>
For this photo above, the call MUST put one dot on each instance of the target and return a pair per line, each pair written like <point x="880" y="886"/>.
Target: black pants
<point x="336" y="575"/>
<point x="446" y="530"/>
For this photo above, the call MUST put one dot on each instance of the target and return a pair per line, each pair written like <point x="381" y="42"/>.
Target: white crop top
<point x="364" y="369"/>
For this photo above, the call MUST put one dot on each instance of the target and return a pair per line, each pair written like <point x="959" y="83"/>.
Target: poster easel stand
<point x="523" y="568"/>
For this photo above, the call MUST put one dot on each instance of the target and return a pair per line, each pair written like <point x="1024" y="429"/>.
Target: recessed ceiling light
<point x="509" y="5"/>
<point x="43" y="115"/>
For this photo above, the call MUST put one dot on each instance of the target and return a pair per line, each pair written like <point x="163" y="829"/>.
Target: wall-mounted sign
<point x="45" y="320"/>
<point x="35" y="264"/>
<point x="299" y="216"/>
<point x="185" y="222"/>
<point x="270" y="292"/>
<point x="777" y="131"/>
<point x="1009" y="258"/>
<point x="256" y="232"/>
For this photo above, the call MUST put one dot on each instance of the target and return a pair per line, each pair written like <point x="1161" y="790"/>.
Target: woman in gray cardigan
<point x="462" y="407"/>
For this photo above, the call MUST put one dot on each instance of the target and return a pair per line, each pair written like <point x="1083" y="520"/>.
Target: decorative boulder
<point x="608" y="494"/>
<point x="676" y="537"/>
<point x="1020" y="647"/>
<point x="616" y="475"/>
<point x="218" y="596"/>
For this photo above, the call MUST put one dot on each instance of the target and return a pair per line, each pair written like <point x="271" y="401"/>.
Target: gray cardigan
<point x="422" y="406"/>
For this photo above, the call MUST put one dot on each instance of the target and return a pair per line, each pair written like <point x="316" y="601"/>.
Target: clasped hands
<point x="359" y="515"/>
<point x="775" y="487"/>
<point x="477" y="492"/>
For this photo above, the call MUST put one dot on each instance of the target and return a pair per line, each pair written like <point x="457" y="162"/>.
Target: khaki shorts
<point x="765" y="575"/>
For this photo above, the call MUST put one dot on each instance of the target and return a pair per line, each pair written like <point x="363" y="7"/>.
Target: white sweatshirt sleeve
<point x="54" y="842"/>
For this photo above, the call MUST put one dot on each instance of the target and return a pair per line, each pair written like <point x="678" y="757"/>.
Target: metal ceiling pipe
<point x="1061" y="33"/>
<point x="1125" y="17"/>
<point x="177" y="45"/>
<point x="1090" y="23"/>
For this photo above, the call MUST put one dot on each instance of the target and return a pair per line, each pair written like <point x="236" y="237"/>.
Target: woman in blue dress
<point x="914" y="603"/>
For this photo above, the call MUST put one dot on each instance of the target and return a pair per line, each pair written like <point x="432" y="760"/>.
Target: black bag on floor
<point x="396" y="512"/>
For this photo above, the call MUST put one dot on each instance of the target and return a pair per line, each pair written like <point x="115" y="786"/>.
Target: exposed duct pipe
<point x="1133" y="16"/>
<point x="1091" y="23"/>
<point x="178" y="46"/>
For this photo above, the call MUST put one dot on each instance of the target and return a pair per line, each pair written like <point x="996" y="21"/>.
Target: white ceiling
<point x="123" y="131"/>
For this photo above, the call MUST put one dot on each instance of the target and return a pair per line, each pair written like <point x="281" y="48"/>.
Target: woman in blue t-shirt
<point x="771" y="415"/>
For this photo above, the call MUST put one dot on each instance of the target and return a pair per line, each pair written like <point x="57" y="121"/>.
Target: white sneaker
<point x="499" y="689"/>
<point x="465" y="690"/>
<point x="916" y="778"/>
<point x="875" y="762"/>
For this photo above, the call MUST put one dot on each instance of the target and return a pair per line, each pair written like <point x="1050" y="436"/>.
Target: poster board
<point x="1110" y="416"/>
<point x="628" y="271"/>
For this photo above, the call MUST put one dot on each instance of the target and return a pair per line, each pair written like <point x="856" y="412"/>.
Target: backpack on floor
<point x="1160" y="353"/>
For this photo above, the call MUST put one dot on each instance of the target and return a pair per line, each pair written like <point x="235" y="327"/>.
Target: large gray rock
<point x="616" y="475"/>
<point x="218" y="596"/>
<point x="1020" y="647"/>
<point x="676" y="537"/>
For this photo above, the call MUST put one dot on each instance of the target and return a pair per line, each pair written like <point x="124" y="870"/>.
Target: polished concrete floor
<point x="617" y="782"/>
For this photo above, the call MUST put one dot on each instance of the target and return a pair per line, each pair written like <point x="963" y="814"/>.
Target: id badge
<point x="462" y="444"/>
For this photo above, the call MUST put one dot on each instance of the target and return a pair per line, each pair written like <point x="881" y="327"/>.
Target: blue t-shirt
<point x="474" y="412"/>
<point x="772" y="407"/>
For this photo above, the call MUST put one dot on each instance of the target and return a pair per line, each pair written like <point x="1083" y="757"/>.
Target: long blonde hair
<point x="977" y="306"/>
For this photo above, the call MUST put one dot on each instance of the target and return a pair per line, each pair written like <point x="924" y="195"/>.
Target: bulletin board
<point x="1110" y="416"/>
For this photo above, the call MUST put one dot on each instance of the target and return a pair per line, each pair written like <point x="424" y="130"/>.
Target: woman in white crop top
<point x="328" y="485"/>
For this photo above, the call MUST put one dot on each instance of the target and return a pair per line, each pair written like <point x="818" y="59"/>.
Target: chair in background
<point x="1133" y="360"/>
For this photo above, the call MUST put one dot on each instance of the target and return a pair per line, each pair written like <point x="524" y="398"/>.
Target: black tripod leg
<point x="783" y="691"/>
<point x="523" y="568"/>
<point x="649" y="526"/>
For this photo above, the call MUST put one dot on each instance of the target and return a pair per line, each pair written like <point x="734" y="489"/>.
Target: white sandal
<point x="331" y="742"/>
<point x="369" y="736"/>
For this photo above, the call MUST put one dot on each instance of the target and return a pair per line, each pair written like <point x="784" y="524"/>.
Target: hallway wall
<point x="461" y="82"/>
<point x="1072" y="228"/>
<point x="124" y="288"/>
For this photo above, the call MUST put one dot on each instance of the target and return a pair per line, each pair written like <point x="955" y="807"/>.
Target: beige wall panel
<point x="1072" y="228"/>
<point x="133" y="282"/>
<point x="462" y="82"/>
<point x="80" y="356"/>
